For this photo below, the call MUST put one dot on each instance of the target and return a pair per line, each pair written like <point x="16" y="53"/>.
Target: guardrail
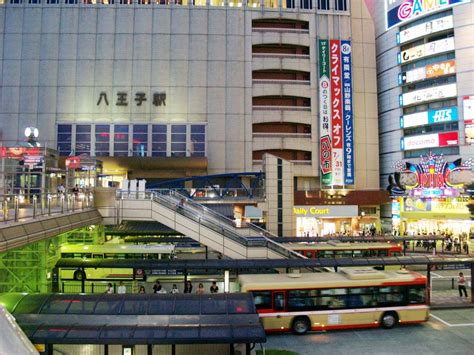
<point x="16" y="207"/>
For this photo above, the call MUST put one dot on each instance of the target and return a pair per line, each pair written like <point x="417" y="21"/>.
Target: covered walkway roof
<point x="137" y="319"/>
<point x="236" y="264"/>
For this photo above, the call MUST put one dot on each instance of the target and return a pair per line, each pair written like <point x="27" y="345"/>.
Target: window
<point x="70" y="2"/>
<point x="429" y="83"/>
<point x="445" y="127"/>
<point x="158" y="140"/>
<point x="437" y="151"/>
<point x="333" y="298"/>
<point x="198" y="141"/>
<point x="178" y="140"/>
<point x="416" y="294"/>
<point x="390" y="296"/>
<point x="140" y="140"/>
<point x="340" y="5"/>
<point x="121" y="140"/>
<point x="102" y="140"/>
<point x="430" y="106"/>
<point x="426" y="61"/>
<point x="306" y="4"/>
<point x="263" y="299"/>
<point x="83" y="139"/>
<point x="64" y="139"/>
<point x="302" y="300"/>
<point x="323" y="4"/>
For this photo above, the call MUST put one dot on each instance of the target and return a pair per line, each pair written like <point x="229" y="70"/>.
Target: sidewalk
<point x="443" y="299"/>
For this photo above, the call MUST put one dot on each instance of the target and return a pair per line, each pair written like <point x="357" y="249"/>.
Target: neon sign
<point x="429" y="178"/>
<point x="410" y="9"/>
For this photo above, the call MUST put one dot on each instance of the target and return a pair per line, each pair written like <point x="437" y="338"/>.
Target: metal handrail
<point x="261" y="233"/>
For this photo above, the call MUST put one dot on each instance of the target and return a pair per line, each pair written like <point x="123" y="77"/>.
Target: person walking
<point x="142" y="289"/>
<point x="462" y="285"/>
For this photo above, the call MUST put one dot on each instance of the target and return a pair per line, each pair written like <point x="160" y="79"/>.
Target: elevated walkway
<point x="201" y="224"/>
<point x="27" y="231"/>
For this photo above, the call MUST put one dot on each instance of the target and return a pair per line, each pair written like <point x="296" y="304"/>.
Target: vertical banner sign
<point x="346" y="54"/>
<point x="325" y="150"/>
<point x="336" y="109"/>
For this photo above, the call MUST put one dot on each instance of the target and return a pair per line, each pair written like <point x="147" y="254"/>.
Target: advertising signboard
<point x="425" y="29"/>
<point x="429" y="141"/>
<point x="468" y="108"/>
<point x="447" y="114"/>
<point x="400" y="11"/>
<point x="428" y="72"/>
<point x="346" y="57"/>
<point x="336" y="110"/>
<point x="325" y="150"/>
<point x="427" y="49"/>
<point x="428" y="94"/>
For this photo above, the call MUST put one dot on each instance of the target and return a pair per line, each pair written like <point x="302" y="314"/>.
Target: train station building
<point x="173" y="89"/>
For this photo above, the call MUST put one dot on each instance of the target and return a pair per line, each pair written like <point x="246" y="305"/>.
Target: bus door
<point x="278" y="301"/>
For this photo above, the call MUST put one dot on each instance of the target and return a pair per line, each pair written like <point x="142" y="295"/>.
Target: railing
<point x="33" y="204"/>
<point x="257" y="237"/>
<point x="281" y="81"/>
<point x="211" y="193"/>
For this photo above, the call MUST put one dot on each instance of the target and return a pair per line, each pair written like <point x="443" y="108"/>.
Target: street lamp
<point x="32" y="134"/>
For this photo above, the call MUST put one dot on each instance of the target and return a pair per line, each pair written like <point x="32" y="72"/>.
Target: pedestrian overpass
<point x="194" y="221"/>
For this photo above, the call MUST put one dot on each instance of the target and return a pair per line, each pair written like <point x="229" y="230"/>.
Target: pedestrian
<point x="466" y="247"/>
<point x="462" y="285"/>
<point x="157" y="287"/>
<point x="174" y="289"/>
<point x="188" y="288"/>
<point x="214" y="288"/>
<point x="110" y="288"/>
<point x="200" y="290"/>
<point x="142" y="289"/>
<point x="122" y="289"/>
<point x="75" y="190"/>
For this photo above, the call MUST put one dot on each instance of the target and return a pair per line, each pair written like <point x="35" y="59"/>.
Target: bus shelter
<point x="144" y="323"/>
<point x="268" y="265"/>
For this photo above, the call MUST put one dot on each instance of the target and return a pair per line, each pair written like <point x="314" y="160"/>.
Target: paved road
<point x="447" y="332"/>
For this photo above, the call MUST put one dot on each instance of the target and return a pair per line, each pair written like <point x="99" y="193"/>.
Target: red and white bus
<point x="351" y="298"/>
<point x="346" y="250"/>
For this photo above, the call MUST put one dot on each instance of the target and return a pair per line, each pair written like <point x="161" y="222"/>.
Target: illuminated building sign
<point x="401" y="11"/>
<point x="425" y="29"/>
<point x="445" y="205"/>
<point x="427" y="72"/>
<point x="429" y="141"/>
<point x="468" y="108"/>
<point x="326" y="211"/>
<point x="429" y="117"/>
<point x="431" y="177"/>
<point x="425" y="50"/>
<point x="428" y="94"/>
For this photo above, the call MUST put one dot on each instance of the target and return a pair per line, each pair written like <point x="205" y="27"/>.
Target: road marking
<point x="452" y="325"/>
<point x="438" y="276"/>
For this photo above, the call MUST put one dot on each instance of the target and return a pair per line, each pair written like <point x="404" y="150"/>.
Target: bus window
<point x="263" y="299"/>
<point x="343" y="254"/>
<point x="390" y="296"/>
<point x="383" y="252"/>
<point x="361" y="297"/>
<point x="309" y="254"/>
<point x="97" y="256"/>
<point x="357" y="253"/>
<point x="326" y="254"/>
<point x="333" y="298"/>
<point x="416" y="294"/>
<point x="301" y="300"/>
<point x="279" y="301"/>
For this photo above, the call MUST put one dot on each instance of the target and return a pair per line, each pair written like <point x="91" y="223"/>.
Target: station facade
<point x="425" y="103"/>
<point x="162" y="90"/>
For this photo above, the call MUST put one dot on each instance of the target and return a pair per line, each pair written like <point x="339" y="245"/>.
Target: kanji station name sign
<point x="123" y="99"/>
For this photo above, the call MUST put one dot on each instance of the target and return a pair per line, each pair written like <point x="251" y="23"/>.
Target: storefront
<point x="315" y="221"/>
<point x="431" y="197"/>
<point x="448" y="216"/>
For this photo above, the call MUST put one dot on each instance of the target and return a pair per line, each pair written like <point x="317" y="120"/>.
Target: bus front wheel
<point x="79" y="275"/>
<point x="301" y="325"/>
<point x="389" y="320"/>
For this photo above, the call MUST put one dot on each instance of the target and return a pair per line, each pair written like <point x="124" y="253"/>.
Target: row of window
<point x="365" y="253"/>
<point x="427" y="61"/>
<point x="337" y="5"/>
<point x="122" y="140"/>
<point x="444" y="80"/>
<point x="122" y="256"/>
<point x="443" y="127"/>
<point x="339" y="298"/>
<point x="409" y="154"/>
